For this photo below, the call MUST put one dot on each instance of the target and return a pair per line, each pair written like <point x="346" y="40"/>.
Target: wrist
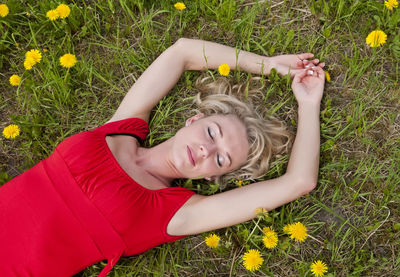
<point x="266" y="65"/>
<point x="309" y="106"/>
<point x="254" y="63"/>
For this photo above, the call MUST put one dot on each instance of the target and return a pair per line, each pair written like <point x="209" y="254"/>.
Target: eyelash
<point x="209" y="133"/>
<point x="218" y="162"/>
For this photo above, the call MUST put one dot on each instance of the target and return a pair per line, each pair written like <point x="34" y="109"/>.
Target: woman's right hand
<point x="293" y="63"/>
<point x="308" y="85"/>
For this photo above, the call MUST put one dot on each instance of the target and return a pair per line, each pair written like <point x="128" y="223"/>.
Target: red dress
<point x="78" y="207"/>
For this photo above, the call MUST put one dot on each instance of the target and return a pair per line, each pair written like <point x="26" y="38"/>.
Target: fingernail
<point x="307" y="66"/>
<point x="310" y="72"/>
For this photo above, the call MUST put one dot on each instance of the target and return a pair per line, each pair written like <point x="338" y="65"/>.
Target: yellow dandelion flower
<point x="270" y="241"/>
<point x="52" y="15"/>
<point x="239" y="183"/>
<point x="29" y="63"/>
<point x="376" y="38"/>
<point x="15" y="80"/>
<point x="224" y="69"/>
<point x="298" y="232"/>
<point x="11" y="131"/>
<point x="27" y="13"/>
<point x="268" y="231"/>
<point x="212" y="240"/>
<point x="270" y="238"/>
<point x="318" y="268"/>
<point x="260" y="211"/>
<point x="68" y="60"/>
<point x="252" y="260"/>
<point x="63" y="10"/>
<point x="180" y="6"/>
<point x="287" y="229"/>
<point x="390" y="4"/>
<point x="34" y="54"/>
<point x="45" y="50"/>
<point x="4" y="10"/>
<point x="327" y="76"/>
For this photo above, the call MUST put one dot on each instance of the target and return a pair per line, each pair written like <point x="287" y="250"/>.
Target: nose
<point x="206" y="150"/>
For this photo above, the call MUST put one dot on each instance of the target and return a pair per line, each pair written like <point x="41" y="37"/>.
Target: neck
<point x="156" y="161"/>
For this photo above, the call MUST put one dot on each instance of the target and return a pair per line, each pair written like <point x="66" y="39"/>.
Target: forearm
<point x="304" y="158"/>
<point x="238" y="205"/>
<point x="201" y="55"/>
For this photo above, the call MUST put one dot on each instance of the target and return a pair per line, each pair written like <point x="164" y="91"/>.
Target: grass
<point x="352" y="215"/>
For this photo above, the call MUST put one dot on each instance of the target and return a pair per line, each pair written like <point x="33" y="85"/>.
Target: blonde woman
<point x="100" y="195"/>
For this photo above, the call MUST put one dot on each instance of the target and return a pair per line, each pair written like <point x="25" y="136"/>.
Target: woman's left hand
<point x="293" y="64"/>
<point x="308" y="85"/>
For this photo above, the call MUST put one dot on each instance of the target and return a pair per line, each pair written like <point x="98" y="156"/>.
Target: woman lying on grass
<point x="101" y="195"/>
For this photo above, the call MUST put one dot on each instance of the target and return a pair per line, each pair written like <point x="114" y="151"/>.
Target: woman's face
<point x="209" y="146"/>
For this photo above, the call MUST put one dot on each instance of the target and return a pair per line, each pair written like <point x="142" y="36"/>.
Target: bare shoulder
<point x="117" y="117"/>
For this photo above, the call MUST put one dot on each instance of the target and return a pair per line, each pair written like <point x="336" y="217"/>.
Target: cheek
<point x="210" y="168"/>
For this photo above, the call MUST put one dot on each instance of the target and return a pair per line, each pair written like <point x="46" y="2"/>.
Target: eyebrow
<point x="222" y="135"/>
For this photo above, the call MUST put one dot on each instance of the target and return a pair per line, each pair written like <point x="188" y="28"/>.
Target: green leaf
<point x="271" y="51"/>
<point x="289" y="38"/>
<point x="327" y="32"/>
<point x="378" y="20"/>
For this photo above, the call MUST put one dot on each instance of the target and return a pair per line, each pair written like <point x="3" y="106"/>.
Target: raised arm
<point x="204" y="213"/>
<point x="190" y="54"/>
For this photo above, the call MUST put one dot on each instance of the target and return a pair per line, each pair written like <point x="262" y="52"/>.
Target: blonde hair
<point x="267" y="135"/>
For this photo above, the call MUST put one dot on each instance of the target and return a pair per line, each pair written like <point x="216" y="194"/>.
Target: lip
<point x="191" y="157"/>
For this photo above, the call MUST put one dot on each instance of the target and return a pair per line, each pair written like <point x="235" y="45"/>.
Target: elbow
<point x="307" y="185"/>
<point x="304" y="185"/>
<point x="181" y="46"/>
<point x="180" y="42"/>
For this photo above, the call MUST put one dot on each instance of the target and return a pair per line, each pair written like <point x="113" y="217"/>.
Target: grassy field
<point x="352" y="216"/>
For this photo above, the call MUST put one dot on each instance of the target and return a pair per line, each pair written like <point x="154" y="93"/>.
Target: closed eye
<point x="211" y="133"/>
<point x="220" y="160"/>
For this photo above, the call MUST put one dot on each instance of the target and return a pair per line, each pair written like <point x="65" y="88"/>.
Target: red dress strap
<point x="135" y="127"/>
<point x="110" y="264"/>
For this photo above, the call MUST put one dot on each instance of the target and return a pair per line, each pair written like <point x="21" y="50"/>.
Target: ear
<point x="189" y="121"/>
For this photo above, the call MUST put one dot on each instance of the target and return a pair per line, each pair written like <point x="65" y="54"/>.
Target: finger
<point x="300" y="64"/>
<point x="299" y="76"/>
<point x="312" y="63"/>
<point x="321" y="65"/>
<point x="309" y="64"/>
<point x="310" y="72"/>
<point x="320" y="72"/>
<point x="305" y="56"/>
